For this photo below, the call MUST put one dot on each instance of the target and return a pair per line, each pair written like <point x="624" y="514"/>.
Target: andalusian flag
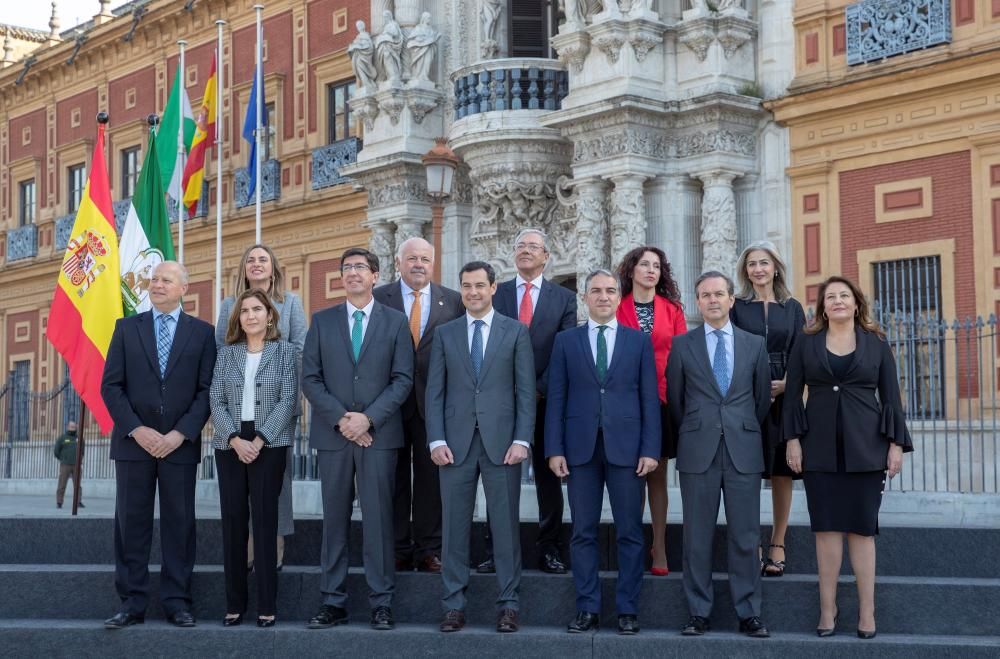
<point x="87" y="300"/>
<point x="170" y="173"/>
<point x="146" y="239"/>
<point x="204" y="137"/>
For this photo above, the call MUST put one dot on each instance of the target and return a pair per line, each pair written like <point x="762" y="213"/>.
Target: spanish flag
<point x="204" y="137"/>
<point x="88" y="298"/>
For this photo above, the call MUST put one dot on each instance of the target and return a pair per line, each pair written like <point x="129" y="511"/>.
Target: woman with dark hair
<point x="254" y="393"/>
<point x="261" y="270"/>
<point x="764" y="306"/>
<point x="849" y="436"/>
<point x="651" y="303"/>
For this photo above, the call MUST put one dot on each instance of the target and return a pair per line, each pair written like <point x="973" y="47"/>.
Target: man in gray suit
<point x="719" y="390"/>
<point x="357" y="370"/>
<point x="480" y="410"/>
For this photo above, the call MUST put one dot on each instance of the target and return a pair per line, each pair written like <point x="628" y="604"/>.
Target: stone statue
<point x="489" y="17"/>
<point x="378" y="9"/>
<point x="577" y="11"/>
<point x="421" y="46"/>
<point x="723" y="5"/>
<point x="362" y="52"/>
<point x="700" y="6"/>
<point x="389" y="50"/>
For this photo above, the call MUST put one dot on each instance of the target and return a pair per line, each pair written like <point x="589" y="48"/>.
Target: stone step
<point x="902" y="551"/>
<point x="85" y="639"/>
<point x="905" y="605"/>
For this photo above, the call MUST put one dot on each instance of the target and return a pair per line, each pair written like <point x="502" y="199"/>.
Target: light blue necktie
<point x="720" y="365"/>
<point x="356" y="336"/>
<point x="163" y="343"/>
<point x="477" y="347"/>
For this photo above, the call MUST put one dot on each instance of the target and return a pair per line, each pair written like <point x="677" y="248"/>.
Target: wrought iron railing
<point x="200" y="211"/>
<point x="328" y="160"/>
<point x="509" y="84"/>
<point x="270" y="187"/>
<point x="877" y="29"/>
<point x="22" y="243"/>
<point x="64" y="226"/>
<point x="120" y="210"/>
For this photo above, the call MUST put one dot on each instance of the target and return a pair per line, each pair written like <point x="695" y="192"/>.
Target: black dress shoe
<point x="382" y="618"/>
<point x="696" y="626"/>
<point x="628" y="624"/>
<point x="507" y="621"/>
<point x="181" y="619"/>
<point x="232" y="622"/>
<point x="266" y="622"/>
<point x="487" y="567"/>
<point x="550" y="563"/>
<point x="584" y="622"/>
<point x="866" y="635"/>
<point x="754" y="627"/>
<point x="328" y="616"/>
<point x="121" y="620"/>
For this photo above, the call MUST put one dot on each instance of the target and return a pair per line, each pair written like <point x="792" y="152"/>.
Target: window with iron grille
<point x="907" y="304"/>
<point x="76" y="180"/>
<point x="26" y="203"/>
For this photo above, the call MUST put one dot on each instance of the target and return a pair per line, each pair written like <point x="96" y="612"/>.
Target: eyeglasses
<point x="355" y="267"/>
<point x="531" y="247"/>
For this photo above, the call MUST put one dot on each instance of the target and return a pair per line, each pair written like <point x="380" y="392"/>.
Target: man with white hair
<point x="417" y="499"/>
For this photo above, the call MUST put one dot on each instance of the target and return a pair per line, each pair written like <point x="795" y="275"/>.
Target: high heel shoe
<point x="266" y="622"/>
<point x="231" y="621"/>
<point x="866" y="635"/>
<point x="658" y="571"/>
<point x="772" y="568"/>
<point x="829" y="631"/>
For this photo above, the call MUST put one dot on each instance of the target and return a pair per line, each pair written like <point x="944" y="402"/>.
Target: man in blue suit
<point x="603" y="430"/>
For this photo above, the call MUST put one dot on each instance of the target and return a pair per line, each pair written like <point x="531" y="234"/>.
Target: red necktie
<point x="525" y="313"/>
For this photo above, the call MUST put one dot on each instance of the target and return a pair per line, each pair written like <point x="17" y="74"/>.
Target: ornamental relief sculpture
<point x="655" y="144"/>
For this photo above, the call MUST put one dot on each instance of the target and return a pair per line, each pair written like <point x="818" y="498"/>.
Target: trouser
<point x="417" y="489"/>
<point x="66" y="472"/>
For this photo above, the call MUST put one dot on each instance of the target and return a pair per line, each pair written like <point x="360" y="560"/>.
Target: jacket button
<point x="602" y="391"/>
<point x="258" y="384"/>
<point x="257" y="403"/>
<point x="356" y="378"/>
<point x="477" y="391"/>
<point x="718" y="425"/>
<point x="836" y="388"/>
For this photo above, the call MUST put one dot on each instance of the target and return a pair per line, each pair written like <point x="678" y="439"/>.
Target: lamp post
<point x="440" y="164"/>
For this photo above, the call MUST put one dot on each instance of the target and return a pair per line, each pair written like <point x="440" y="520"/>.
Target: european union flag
<point x="249" y="126"/>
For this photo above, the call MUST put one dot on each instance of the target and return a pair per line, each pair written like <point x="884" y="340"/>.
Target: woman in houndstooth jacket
<point x="253" y="396"/>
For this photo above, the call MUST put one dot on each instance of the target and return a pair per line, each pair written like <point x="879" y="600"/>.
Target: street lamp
<point x="440" y="164"/>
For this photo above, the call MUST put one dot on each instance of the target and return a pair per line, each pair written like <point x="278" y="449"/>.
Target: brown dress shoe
<point x="429" y="563"/>
<point x="507" y="621"/>
<point x="404" y="565"/>
<point x="453" y="621"/>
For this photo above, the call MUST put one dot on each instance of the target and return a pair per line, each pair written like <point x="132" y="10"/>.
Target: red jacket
<point x="668" y="322"/>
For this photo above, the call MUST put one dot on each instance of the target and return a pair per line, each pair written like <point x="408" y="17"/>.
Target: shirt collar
<point x="536" y="282"/>
<point x="367" y="308"/>
<point x="426" y="290"/>
<point x="488" y="318"/>
<point x="175" y="314"/>
<point x="592" y="324"/>
<point x="728" y="329"/>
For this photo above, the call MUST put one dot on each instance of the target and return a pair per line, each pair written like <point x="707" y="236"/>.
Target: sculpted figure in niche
<point x="389" y="50"/>
<point x="378" y="9"/>
<point x="362" y="52"/>
<point x="422" y="46"/>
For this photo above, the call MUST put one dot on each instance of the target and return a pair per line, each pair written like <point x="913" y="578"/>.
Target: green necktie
<point x="602" y="353"/>
<point x="356" y="336"/>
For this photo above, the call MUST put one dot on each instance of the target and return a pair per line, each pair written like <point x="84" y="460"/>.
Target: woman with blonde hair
<point x="764" y="306"/>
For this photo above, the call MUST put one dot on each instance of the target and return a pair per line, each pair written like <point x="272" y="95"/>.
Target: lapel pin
<point x="440" y="303"/>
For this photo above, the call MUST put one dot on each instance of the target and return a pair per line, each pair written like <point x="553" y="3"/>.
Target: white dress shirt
<point x="248" y="406"/>
<point x="711" y="339"/>
<point x="536" y="286"/>
<point x="367" y="309"/>
<point x="425" y="303"/>
<point x="609" y="337"/>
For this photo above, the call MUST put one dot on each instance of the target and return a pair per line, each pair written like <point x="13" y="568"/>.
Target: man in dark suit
<point x="603" y="421"/>
<point x="719" y="390"/>
<point x="427" y="305"/>
<point x="357" y="370"/>
<point x="480" y="421"/>
<point x="156" y="383"/>
<point x="546" y="309"/>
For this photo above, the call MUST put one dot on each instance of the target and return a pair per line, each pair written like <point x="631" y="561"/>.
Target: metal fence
<point x="948" y="374"/>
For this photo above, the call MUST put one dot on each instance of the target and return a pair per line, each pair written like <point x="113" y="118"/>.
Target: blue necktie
<point x="720" y="365"/>
<point x="477" y="347"/>
<point x="163" y="343"/>
<point x="356" y="336"/>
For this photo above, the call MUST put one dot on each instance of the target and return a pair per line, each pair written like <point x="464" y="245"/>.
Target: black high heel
<point x="830" y="631"/>
<point x="231" y="621"/>
<point x="777" y="566"/>
<point x="266" y="622"/>
<point x="866" y="635"/>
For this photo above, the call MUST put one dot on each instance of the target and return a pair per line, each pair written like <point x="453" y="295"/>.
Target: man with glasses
<point x="357" y="370"/>
<point x="546" y="309"/>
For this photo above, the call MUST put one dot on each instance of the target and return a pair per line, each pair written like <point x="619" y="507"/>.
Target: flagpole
<point x="219" y="69"/>
<point x="259" y="133"/>
<point x="180" y="155"/>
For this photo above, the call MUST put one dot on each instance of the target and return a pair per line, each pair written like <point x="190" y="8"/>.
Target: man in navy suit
<point x="602" y="428"/>
<point x="156" y="381"/>
<point x="546" y="309"/>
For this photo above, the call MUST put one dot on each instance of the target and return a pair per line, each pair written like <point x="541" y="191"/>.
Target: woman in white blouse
<point x="254" y="392"/>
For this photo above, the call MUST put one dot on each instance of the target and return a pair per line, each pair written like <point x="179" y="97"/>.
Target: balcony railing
<point x="509" y="84"/>
<point x="64" y="226"/>
<point x="120" y="210"/>
<point x="22" y="243"/>
<point x="270" y="187"/>
<point x="200" y="211"/>
<point x="877" y="29"/>
<point x="327" y="161"/>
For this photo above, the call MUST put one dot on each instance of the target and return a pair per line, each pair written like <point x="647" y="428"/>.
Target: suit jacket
<point x="704" y="416"/>
<point x="625" y="405"/>
<point x="446" y="305"/>
<point x="136" y="395"/>
<point x="376" y="385"/>
<point x="275" y="399"/>
<point x="501" y="403"/>
<point x="555" y="312"/>
<point x="668" y="322"/>
<point x="868" y="423"/>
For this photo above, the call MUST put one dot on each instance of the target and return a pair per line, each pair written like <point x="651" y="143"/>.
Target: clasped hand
<point x="247" y="451"/>
<point x="157" y="445"/>
<point x="354" y="426"/>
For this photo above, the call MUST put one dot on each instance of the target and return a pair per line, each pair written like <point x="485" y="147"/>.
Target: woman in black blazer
<point x="851" y="434"/>
<point x="253" y="396"/>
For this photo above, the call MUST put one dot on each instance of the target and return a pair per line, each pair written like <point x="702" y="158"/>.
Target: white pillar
<point x="718" y="221"/>
<point x="628" y="215"/>
<point x="591" y="233"/>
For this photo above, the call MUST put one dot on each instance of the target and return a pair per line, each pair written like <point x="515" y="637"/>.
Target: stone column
<point x="719" y="230"/>
<point x="406" y="229"/>
<point x="382" y="244"/>
<point x="628" y="215"/>
<point x="591" y="233"/>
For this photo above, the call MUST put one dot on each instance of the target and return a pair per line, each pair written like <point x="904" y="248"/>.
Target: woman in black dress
<point x="765" y="307"/>
<point x="851" y="434"/>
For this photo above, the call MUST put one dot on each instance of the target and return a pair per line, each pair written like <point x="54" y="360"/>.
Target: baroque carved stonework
<point x="396" y="192"/>
<point x="658" y="145"/>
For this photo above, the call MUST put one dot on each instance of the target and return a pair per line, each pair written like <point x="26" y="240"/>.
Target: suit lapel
<point x="181" y="337"/>
<point x="700" y="348"/>
<point x="394" y="297"/>
<point x="497" y="333"/>
<point x="620" y="341"/>
<point x="461" y="339"/>
<point x="741" y="354"/>
<point x="374" y="324"/>
<point x="437" y="307"/>
<point x="270" y="348"/>
<point x="583" y="336"/>
<point x="510" y="298"/>
<point x="821" y="353"/>
<point x="147" y="336"/>
<point x="340" y="321"/>
<point x="860" y="343"/>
